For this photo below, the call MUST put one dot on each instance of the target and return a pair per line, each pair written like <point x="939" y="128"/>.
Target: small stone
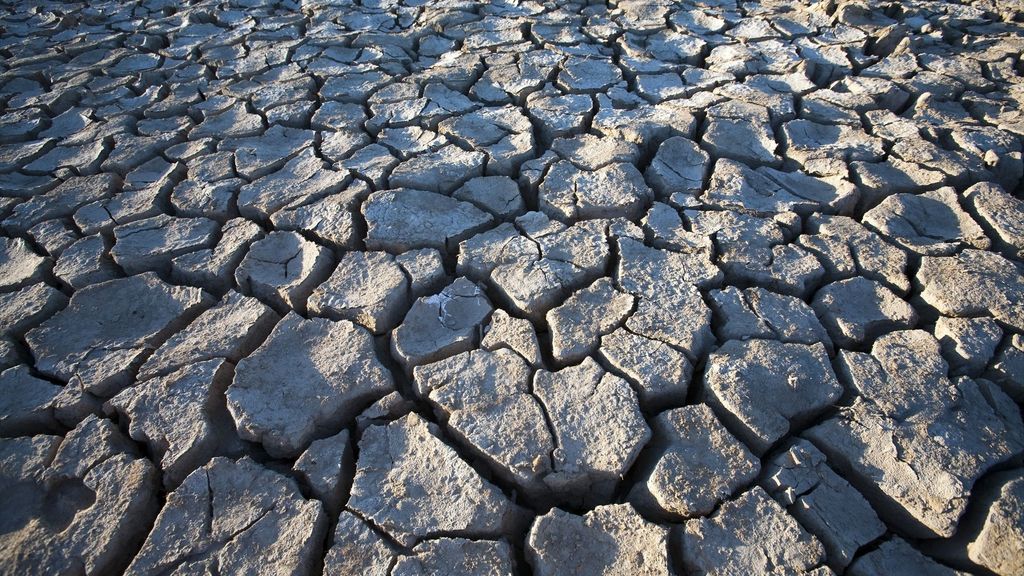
<point x="1008" y="368"/>
<point x="558" y="115"/>
<point x="563" y="543"/>
<point x="24" y="309"/>
<point x="973" y="283"/>
<point x="931" y="223"/>
<point x="504" y="134"/>
<point x="62" y="201"/>
<point x="405" y="219"/>
<point x="358" y="550"/>
<point x="413" y="486"/>
<point x="1000" y="213"/>
<point x="753" y="250"/>
<point x="180" y="416"/>
<point x="425" y="270"/>
<point x="309" y="375"/>
<point x="20" y="266"/>
<point x="389" y="408"/>
<point x="26" y="403"/>
<point x="257" y="156"/>
<point x="368" y="288"/>
<point x="679" y="166"/>
<point x="579" y="323"/>
<point x="749" y="535"/>
<point x="305" y="178"/>
<point x="107" y="330"/>
<point x="458" y="557"/>
<point x="759" y="313"/>
<point x="86" y="262"/>
<point x="589" y="152"/>
<point x="598" y="427"/>
<point x="498" y="195"/>
<point x="913" y="441"/>
<point x="767" y="191"/>
<point x="150" y="244"/>
<point x="441" y="325"/>
<point x="968" y="344"/>
<point x="53" y="236"/>
<point x="615" y="190"/>
<point x="659" y="373"/>
<point x="484" y="399"/>
<point x="329" y="221"/>
<point x="106" y="494"/>
<point x="825" y="505"/>
<point x="846" y="249"/>
<point x="588" y="75"/>
<point x="698" y="465"/>
<point x="230" y="330"/>
<point x="1000" y="545"/>
<point x="327" y="468"/>
<point x="762" y="389"/>
<point x="516" y="334"/>
<point x="283" y="269"/>
<point x="808" y="142"/>
<point x="439" y="172"/>
<point x="858" y="310"/>
<point x="237" y="517"/>
<point x="743" y="139"/>
<point x="896" y="556"/>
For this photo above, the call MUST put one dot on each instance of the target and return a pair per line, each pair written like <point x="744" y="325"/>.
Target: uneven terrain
<point x="452" y="287"/>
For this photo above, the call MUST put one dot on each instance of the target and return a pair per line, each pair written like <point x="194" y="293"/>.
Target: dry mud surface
<point x="451" y="287"/>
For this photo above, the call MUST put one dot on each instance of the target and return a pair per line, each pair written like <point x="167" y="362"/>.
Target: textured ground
<point x="453" y="287"/>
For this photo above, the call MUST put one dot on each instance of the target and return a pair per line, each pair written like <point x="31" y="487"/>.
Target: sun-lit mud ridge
<point x="450" y="287"/>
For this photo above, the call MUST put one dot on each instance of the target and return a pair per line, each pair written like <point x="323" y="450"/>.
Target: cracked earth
<point x="390" y="287"/>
